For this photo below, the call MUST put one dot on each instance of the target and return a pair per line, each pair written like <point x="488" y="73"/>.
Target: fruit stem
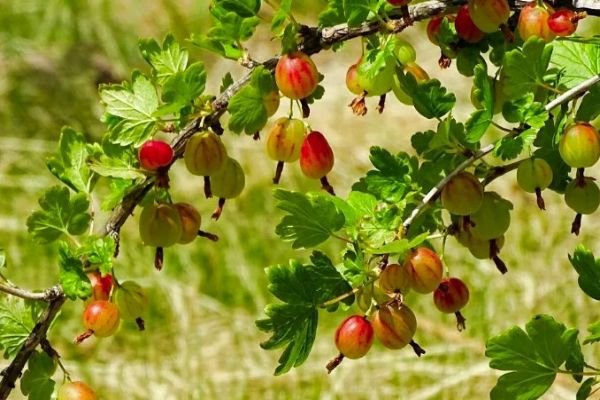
<point x="500" y="264"/>
<point x="461" y="321"/>
<point x="579" y="15"/>
<point x="326" y="186"/>
<point x="140" y="323"/>
<point x="418" y="349"/>
<point x="333" y="364"/>
<point x="508" y="34"/>
<point x="207" y="188"/>
<point x="444" y="62"/>
<point x="278" y="172"/>
<point x="159" y="257"/>
<point x="580" y="178"/>
<point x="381" y="104"/>
<point x="48" y="349"/>
<point x="539" y="199"/>
<point x="85" y="335"/>
<point x="208" y="235"/>
<point x="305" y="108"/>
<point x="408" y="21"/>
<point x="256" y="136"/>
<point x="219" y="210"/>
<point x="217" y="128"/>
<point x="576" y="225"/>
<point x="358" y="105"/>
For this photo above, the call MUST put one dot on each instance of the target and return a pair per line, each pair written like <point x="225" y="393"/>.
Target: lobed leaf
<point x="311" y="219"/>
<point x="60" y="215"/>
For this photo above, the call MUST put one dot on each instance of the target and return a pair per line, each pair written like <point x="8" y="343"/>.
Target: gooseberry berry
<point x="352" y="80"/>
<point x="132" y="302"/>
<point x="296" y="75"/>
<point x="465" y="27"/>
<point x="395" y="278"/>
<point x="160" y="225"/>
<point x="316" y="158"/>
<point x="271" y="102"/>
<point x="579" y="145"/>
<point x="535" y="175"/>
<point x="228" y="183"/>
<point x="489" y="15"/>
<point x="101" y="318"/>
<point x="155" y="154"/>
<point x="533" y="21"/>
<point x="394" y="325"/>
<point x="205" y="155"/>
<point x="190" y="222"/>
<point x="284" y="142"/>
<point x="463" y="194"/>
<point x="493" y="217"/>
<point x="563" y="22"/>
<point x="76" y="390"/>
<point x="101" y="285"/>
<point x="425" y="269"/>
<point x="354" y="337"/>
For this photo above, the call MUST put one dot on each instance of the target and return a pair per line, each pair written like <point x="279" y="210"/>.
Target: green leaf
<point x="243" y="8"/>
<point x="280" y="17"/>
<point x="585" y="389"/>
<point x="311" y="219"/>
<point x="229" y="31"/>
<point x="333" y="14"/>
<point x="533" y="356"/>
<point x="72" y="277"/>
<point x="430" y="98"/>
<point x="525" y="110"/>
<point x="69" y="165"/>
<point x="356" y="11"/>
<point x="510" y="148"/>
<point x="36" y="382"/>
<point x="391" y="180"/>
<point x="119" y="188"/>
<point x="115" y="161"/>
<point x="480" y="120"/>
<point x="578" y="60"/>
<point x="99" y="252"/>
<point x="247" y="107"/>
<point x="588" y="269"/>
<point x="301" y="288"/>
<point x="60" y="214"/>
<point x="226" y="82"/>
<point x="401" y="246"/>
<point x="588" y="109"/>
<point x="182" y="88"/>
<point x="17" y="319"/>
<point x="524" y="69"/>
<point x="132" y="108"/>
<point x="467" y="60"/>
<point x="165" y="61"/>
<point x="594" y="336"/>
<point x="2" y="257"/>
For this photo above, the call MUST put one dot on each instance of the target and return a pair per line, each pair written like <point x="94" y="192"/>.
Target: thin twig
<point x="433" y="193"/>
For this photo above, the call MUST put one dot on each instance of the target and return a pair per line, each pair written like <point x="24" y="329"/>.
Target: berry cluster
<point x="388" y="318"/>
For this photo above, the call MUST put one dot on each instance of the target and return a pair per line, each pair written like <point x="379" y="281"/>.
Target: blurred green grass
<point x="200" y="341"/>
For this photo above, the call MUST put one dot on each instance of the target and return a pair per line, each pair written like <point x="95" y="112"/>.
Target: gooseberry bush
<point x="535" y="94"/>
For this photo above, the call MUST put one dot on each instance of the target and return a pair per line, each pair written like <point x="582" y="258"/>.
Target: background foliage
<point x="198" y="343"/>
